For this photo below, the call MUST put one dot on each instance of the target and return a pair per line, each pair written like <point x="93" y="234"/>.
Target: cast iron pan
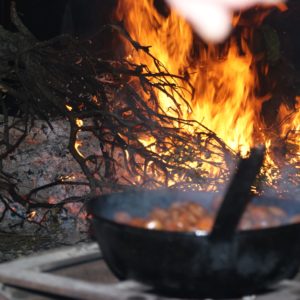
<point x="190" y="265"/>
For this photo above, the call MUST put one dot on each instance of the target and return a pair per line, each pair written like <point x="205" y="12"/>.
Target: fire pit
<point x="172" y="112"/>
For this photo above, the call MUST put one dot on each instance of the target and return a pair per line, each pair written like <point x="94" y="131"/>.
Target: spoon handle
<point x="238" y="195"/>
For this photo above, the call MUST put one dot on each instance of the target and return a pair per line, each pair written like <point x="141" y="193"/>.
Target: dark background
<point x="84" y="18"/>
<point x="48" y="18"/>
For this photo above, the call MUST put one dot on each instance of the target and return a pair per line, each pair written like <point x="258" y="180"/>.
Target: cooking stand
<point x="79" y="272"/>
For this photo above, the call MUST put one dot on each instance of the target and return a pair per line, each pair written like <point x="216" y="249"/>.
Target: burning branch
<point x="112" y="102"/>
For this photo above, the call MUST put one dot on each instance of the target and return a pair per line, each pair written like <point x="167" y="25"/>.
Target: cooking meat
<point x="191" y="216"/>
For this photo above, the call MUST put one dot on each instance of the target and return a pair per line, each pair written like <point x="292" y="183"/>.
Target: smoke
<point x="212" y="19"/>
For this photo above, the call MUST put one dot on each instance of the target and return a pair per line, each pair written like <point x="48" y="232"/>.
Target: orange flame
<point x="290" y="118"/>
<point x="69" y="107"/>
<point x="290" y="130"/>
<point x="31" y="215"/>
<point x="224" y="82"/>
<point x="79" y="122"/>
<point x="77" y="145"/>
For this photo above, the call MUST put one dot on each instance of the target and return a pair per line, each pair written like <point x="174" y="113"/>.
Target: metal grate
<point x="79" y="272"/>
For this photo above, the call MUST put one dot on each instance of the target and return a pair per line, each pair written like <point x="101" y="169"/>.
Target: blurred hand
<point x="211" y="19"/>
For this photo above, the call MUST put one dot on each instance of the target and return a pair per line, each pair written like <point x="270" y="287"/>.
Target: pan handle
<point x="238" y="195"/>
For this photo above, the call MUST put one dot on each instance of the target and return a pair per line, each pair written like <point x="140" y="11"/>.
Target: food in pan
<point x="191" y="216"/>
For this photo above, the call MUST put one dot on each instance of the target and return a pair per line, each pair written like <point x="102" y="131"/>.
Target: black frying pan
<point x="188" y="264"/>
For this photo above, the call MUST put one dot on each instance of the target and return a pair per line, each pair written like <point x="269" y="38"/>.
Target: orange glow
<point x="290" y="131"/>
<point x="67" y="177"/>
<point x="69" y="108"/>
<point x="224" y="81"/>
<point x="78" y="144"/>
<point x="282" y="7"/>
<point x="31" y="215"/>
<point x="79" y="122"/>
<point x="290" y="119"/>
<point x="52" y="200"/>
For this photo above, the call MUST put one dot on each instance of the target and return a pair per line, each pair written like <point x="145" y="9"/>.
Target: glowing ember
<point x="31" y="215"/>
<point x="79" y="122"/>
<point x="290" y="130"/>
<point x="225" y="81"/>
<point x="78" y="144"/>
<point x="69" y="108"/>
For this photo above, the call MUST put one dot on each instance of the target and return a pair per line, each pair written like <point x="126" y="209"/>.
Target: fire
<point x="230" y="109"/>
<point x="290" y="119"/>
<point x="79" y="122"/>
<point x="224" y="81"/>
<point x="31" y="215"/>
<point x="290" y="130"/>
<point x="78" y="142"/>
<point x="69" y="107"/>
<point x="77" y="145"/>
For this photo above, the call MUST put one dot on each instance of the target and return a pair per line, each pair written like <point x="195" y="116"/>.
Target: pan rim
<point x="255" y="200"/>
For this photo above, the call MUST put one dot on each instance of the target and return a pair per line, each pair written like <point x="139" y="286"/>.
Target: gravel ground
<point x="31" y="239"/>
<point x="14" y="245"/>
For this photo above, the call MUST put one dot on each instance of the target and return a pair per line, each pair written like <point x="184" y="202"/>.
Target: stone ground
<point x="13" y="246"/>
<point x="31" y="239"/>
<point x="42" y="158"/>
